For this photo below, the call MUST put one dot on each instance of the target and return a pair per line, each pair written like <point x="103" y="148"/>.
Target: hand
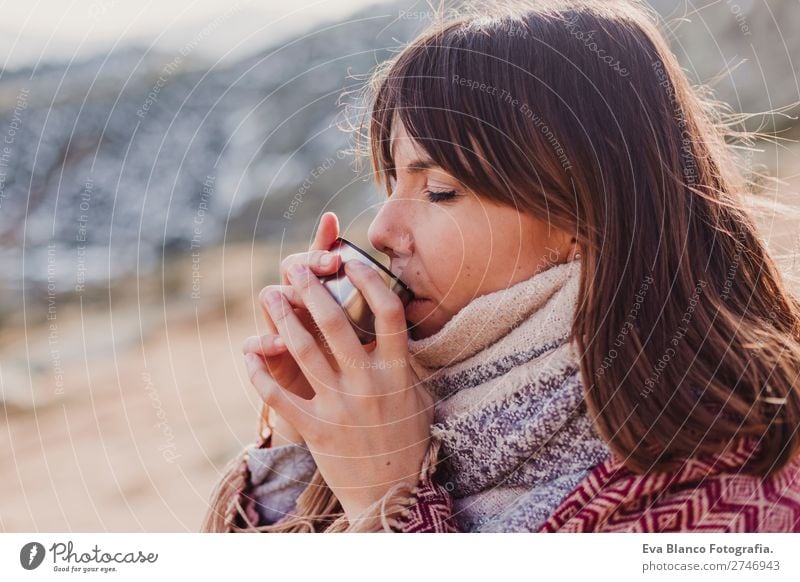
<point x="368" y="422"/>
<point x="279" y="362"/>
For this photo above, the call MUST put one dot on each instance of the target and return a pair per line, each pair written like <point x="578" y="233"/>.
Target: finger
<point x="327" y="232"/>
<point x="329" y="317"/>
<point x="321" y="262"/>
<point x="391" y="330"/>
<point x="295" y="410"/>
<point x="268" y="345"/>
<point x="301" y="344"/>
<point x="326" y="235"/>
<point x="291" y="296"/>
<point x="299" y="308"/>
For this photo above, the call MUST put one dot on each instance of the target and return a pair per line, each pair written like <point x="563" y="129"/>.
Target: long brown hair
<point x="577" y="112"/>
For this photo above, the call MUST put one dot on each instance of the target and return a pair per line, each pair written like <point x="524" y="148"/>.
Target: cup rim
<point x="374" y="262"/>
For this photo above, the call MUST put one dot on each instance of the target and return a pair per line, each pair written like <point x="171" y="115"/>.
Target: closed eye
<point x="440" y="196"/>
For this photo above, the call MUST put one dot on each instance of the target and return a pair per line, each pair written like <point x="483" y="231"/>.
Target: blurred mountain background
<point x="149" y="188"/>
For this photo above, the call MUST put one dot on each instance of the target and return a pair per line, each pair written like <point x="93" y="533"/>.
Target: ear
<point x="562" y="247"/>
<point x="575" y="250"/>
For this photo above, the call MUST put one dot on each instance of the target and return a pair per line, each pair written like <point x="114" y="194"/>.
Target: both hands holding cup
<point x="359" y="408"/>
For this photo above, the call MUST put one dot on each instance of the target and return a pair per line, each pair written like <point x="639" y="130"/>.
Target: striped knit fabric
<point x="509" y="411"/>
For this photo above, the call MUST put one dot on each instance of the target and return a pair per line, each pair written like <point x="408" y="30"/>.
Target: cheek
<point x="461" y="246"/>
<point x="458" y="264"/>
<point x="441" y="242"/>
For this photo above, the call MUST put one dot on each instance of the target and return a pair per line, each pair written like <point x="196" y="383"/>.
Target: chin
<point x="426" y="316"/>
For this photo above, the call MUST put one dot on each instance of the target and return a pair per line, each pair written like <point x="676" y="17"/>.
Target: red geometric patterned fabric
<point x="431" y="513"/>
<point x="704" y="495"/>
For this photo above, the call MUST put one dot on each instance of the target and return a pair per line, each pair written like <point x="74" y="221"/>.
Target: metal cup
<point x="350" y="298"/>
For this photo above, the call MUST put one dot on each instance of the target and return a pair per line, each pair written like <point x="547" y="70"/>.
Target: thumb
<point x="327" y="232"/>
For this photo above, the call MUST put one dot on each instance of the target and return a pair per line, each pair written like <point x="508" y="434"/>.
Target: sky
<point x="62" y="30"/>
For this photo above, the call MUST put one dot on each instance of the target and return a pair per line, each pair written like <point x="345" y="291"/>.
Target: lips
<point x="417" y="296"/>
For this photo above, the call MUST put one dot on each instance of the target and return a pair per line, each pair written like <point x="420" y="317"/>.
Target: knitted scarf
<point x="510" y="421"/>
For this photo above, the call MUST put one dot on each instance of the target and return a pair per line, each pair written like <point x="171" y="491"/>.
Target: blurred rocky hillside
<point x="119" y="161"/>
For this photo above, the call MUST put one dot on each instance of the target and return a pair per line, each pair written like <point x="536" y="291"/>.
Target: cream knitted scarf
<point x="510" y="420"/>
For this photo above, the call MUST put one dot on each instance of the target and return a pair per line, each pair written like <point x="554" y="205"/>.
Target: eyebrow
<point x="418" y="166"/>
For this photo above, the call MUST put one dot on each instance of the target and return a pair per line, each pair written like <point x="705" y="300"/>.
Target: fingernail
<point x="248" y="341"/>
<point x="278" y="342"/>
<point x="327" y="260"/>
<point x="274" y="298"/>
<point x="357" y="265"/>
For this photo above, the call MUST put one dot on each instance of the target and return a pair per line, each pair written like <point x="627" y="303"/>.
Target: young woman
<point x="603" y="341"/>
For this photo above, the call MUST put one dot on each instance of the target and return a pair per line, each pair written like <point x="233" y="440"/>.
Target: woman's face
<point x="450" y="245"/>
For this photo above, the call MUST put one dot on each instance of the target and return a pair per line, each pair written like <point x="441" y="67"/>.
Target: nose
<point x="389" y="232"/>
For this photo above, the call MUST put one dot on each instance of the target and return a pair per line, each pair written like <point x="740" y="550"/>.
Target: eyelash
<point x="433" y="196"/>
